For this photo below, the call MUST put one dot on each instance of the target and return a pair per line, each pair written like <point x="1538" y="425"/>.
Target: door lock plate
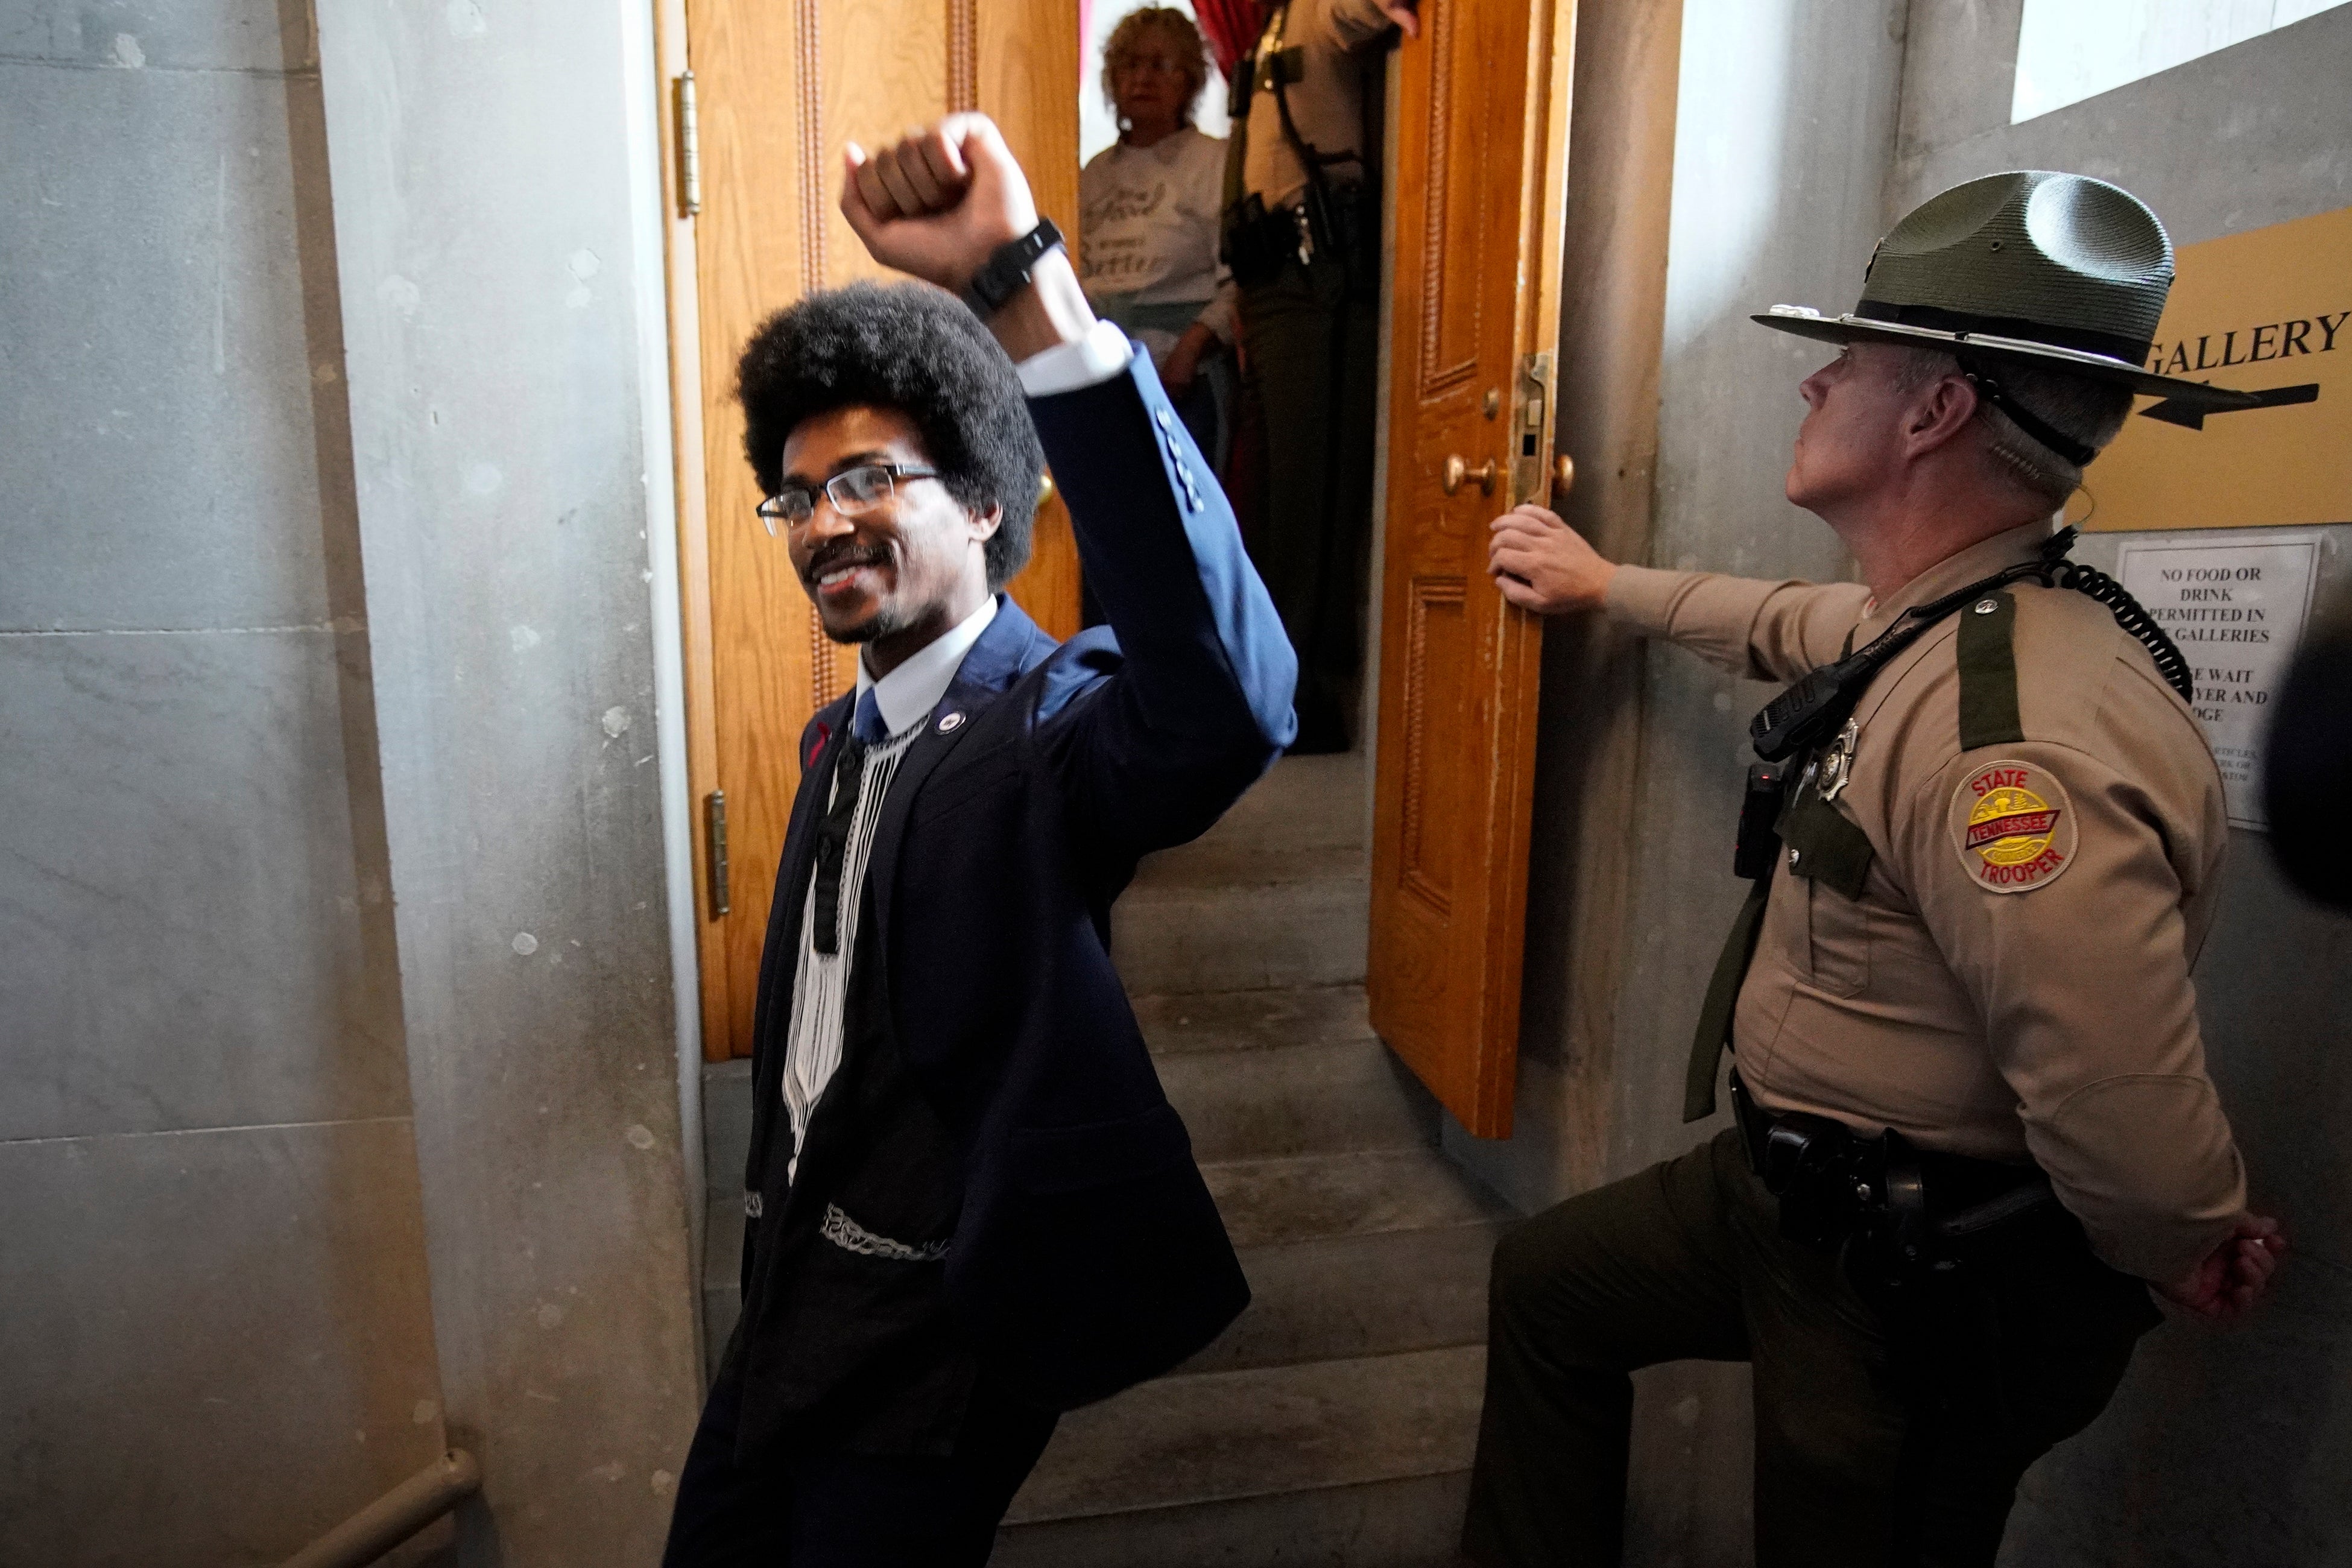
<point x="1531" y="427"/>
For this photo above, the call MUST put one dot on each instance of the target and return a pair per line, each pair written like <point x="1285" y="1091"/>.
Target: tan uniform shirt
<point x="1328" y="105"/>
<point x="2012" y="982"/>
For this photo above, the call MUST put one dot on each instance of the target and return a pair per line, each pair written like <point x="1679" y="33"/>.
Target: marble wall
<point x="497" y="225"/>
<point x="339" y="1040"/>
<point x="212" y="1281"/>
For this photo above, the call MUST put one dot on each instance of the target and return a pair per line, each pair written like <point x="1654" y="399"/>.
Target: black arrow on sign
<point x="2172" y="411"/>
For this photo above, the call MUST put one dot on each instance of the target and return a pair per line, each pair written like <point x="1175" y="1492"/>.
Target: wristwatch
<point x="1007" y="271"/>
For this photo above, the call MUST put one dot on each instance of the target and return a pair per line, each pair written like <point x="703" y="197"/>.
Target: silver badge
<point x="1837" y="763"/>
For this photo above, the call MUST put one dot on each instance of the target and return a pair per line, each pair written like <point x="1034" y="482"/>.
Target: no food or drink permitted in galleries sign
<point x="2267" y="311"/>
<point x="2236" y="611"/>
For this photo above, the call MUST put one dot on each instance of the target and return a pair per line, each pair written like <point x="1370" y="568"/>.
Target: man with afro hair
<point x="969" y="1205"/>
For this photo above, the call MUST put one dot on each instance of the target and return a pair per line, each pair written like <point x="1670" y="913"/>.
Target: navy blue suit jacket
<point x="1087" y="1254"/>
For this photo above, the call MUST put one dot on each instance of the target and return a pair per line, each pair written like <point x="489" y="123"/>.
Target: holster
<point x="1259" y="242"/>
<point x="1897" y="1213"/>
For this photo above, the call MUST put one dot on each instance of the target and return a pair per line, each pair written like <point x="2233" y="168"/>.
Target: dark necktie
<point x="833" y="832"/>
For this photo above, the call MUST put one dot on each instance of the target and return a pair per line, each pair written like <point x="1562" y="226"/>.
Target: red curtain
<point x="1231" y="27"/>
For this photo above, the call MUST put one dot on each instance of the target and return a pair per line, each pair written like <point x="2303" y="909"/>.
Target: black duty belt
<point x="1919" y="1205"/>
<point x="1261" y="241"/>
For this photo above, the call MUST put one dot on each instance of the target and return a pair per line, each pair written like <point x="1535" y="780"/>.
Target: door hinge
<point x="714" y="834"/>
<point x="1529" y="461"/>
<point x="689" y="147"/>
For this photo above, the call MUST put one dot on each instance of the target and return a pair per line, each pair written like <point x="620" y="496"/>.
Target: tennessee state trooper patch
<point x="2014" y="826"/>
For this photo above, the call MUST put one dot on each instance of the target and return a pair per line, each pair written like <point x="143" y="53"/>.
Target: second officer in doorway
<point x="1974" y="1125"/>
<point x="1303" y="239"/>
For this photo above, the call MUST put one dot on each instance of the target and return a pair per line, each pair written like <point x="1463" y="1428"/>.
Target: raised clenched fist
<point x="937" y="204"/>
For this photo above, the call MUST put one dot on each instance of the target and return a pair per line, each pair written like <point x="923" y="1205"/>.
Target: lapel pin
<point x="950" y="722"/>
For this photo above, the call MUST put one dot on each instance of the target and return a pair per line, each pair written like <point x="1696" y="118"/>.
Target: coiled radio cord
<point x="2128" y="612"/>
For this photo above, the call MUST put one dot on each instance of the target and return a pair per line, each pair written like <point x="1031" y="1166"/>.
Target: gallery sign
<point x="2267" y="311"/>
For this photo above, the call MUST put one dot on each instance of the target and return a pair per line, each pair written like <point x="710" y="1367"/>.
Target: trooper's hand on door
<point x="1542" y="564"/>
<point x="938" y="202"/>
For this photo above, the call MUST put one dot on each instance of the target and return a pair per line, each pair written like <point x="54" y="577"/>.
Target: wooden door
<point x="779" y="86"/>
<point x="1481" y="159"/>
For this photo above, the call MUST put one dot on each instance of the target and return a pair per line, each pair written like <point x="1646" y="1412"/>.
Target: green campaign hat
<point x="2060" y="271"/>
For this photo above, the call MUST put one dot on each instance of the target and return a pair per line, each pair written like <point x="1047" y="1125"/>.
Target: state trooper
<point x="1973" y="1124"/>
<point x="1302" y="234"/>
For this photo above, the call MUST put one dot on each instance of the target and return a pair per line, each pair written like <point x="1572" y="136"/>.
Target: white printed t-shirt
<point x="1147" y="227"/>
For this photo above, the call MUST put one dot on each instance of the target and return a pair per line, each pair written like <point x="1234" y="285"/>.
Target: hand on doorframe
<point x="1405" y="14"/>
<point x="1542" y="564"/>
<point x="2230" y="1281"/>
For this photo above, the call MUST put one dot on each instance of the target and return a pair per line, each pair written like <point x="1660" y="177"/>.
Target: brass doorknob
<point x="1456" y="470"/>
<point x="1563" y="475"/>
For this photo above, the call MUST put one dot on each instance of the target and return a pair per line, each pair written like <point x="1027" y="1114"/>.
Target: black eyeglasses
<point x="853" y="491"/>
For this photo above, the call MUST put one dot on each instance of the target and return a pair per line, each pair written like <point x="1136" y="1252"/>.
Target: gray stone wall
<point x="495" y="222"/>
<point x="339" y="1031"/>
<point x="2223" y="1448"/>
<point x="213" y="1273"/>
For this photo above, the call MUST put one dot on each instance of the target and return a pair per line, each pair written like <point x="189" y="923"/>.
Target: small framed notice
<point x="2236" y="611"/>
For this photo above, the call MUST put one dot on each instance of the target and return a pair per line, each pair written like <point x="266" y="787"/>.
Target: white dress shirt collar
<point x="915" y="687"/>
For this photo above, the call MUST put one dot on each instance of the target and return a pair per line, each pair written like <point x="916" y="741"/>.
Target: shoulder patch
<point x="2013" y="826"/>
<point x="819" y="732"/>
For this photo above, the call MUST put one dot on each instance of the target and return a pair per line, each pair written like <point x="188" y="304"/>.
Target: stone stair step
<point x="1410" y="1523"/>
<point x="1229" y="865"/>
<point x="1362" y="1254"/>
<point x="1370" y="1192"/>
<point x="1221" y="1437"/>
<point x="1331" y="1298"/>
<point x="1168" y="934"/>
<point x="1178" y="1022"/>
<point x="1323" y="1099"/>
<point x="1301" y="802"/>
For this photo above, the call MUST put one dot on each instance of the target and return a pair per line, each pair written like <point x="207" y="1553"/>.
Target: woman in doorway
<point x="1148" y="220"/>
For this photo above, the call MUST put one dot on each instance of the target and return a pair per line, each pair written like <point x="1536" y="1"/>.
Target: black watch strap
<point x="1007" y="271"/>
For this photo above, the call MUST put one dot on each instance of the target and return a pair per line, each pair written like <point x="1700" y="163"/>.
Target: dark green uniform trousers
<point x="1312" y="340"/>
<point x="1686" y="1261"/>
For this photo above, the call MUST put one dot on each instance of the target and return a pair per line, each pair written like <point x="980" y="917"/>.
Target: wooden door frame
<point x="685" y="322"/>
<point x="1543" y="154"/>
<point x="1621" y="154"/>
<point x="1543" y="151"/>
<point x="1580" y="855"/>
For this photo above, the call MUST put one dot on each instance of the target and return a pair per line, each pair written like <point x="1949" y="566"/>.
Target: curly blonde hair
<point x="1183" y="41"/>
